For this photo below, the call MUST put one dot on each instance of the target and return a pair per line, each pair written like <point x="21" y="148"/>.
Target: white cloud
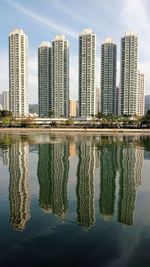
<point x="73" y="14"/>
<point x="44" y="20"/>
<point x="136" y="18"/>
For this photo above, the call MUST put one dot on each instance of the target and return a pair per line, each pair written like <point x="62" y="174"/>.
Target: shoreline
<point x="76" y="130"/>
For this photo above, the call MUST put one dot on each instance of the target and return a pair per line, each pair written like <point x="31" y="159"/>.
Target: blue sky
<point x="41" y="20"/>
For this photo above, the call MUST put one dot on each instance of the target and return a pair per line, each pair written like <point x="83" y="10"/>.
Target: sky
<point x="42" y="20"/>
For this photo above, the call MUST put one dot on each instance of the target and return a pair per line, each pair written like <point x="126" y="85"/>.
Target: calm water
<point x="74" y="200"/>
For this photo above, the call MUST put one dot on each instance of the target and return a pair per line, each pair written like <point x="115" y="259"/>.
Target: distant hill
<point x="33" y="108"/>
<point x="147" y="103"/>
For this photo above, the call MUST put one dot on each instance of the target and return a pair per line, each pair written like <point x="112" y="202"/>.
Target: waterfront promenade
<point x="78" y="130"/>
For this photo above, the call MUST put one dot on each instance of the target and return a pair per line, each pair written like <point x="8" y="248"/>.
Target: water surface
<point x="74" y="200"/>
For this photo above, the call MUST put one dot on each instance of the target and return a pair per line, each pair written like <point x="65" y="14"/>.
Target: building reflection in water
<point x="130" y="176"/>
<point x="6" y="157"/>
<point x="4" y="148"/>
<point x="19" y="195"/>
<point x="85" y="184"/>
<point x="121" y="157"/>
<point x="139" y="159"/>
<point x="53" y="168"/>
<point x="107" y="178"/>
<point x="72" y="150"/>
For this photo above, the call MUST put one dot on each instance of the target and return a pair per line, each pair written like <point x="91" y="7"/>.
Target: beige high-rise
<point x="18" y="73"/>
<point x="98" y="102"/>
<point x="72" y="108"/>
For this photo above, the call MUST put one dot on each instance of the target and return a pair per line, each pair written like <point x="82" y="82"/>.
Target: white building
<point x="129" y="68"/>
<point x="18" y="73"/>
<point x="87" y="73"/>
<point x="5" y="100"/>
<point x="140" y="94"/>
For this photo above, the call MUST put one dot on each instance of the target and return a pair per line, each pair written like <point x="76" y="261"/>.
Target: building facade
<point x="19" y="192"/>
<point x="44" y="79"/>
<point x="98" y="98"/>
<point x="85" y="184"/>
<point x="87" y="72"/>
<point x="108" y="77"/>
<point x="53" y="169"/>
<point x="140" y="95"/>
<point x="72" y="108"/>
<point x="60" y="77"/>
<point x="107" y="179"/>
<point x="5" y="100"/>
<point x="129" y="71"/>
<point x="118" y="111"/>
<point x="127" y="186"/>
<point x="18" y="73"/>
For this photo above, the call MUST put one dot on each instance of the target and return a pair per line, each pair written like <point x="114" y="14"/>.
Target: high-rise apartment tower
<point x="87" y="71"/>
<point x="60" y="77"/>
<point x="44" y="79"/>
<point x="108" y="77"/>
<point x="18" y="73"/>
<point x="140" y="94"/>
<point x="5" y="100"/>
<point x="129" y="68"/>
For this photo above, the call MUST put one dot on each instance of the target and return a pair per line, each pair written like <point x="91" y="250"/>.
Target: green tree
<point x="70" y="121"/>
<point x="99" y="115"/>
<point x="5" y="113"/>
<point x="6" y="121"/>
<point x="51" y="114"/>
<point x="92" y="115"/>
<point x="148" y="113"/>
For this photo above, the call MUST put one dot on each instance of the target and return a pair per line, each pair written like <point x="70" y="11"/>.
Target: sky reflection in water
<point x="74" y="200"/>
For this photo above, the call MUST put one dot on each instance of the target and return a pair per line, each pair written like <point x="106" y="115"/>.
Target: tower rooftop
<point x="87" y="31"/>
<point x="17" y="31"/>
<point x="109" y="40"/>
<point x="130" y="33"/>
<point x="45" y="44"/>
